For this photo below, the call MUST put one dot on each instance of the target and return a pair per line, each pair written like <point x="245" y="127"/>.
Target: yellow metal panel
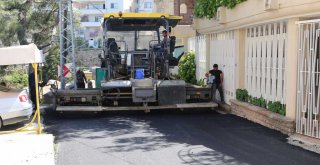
<point x="142" y="15"/>
<point x="88" y="75"/>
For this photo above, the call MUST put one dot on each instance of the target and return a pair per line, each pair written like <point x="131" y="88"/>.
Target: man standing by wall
<point x="218" y="75"/>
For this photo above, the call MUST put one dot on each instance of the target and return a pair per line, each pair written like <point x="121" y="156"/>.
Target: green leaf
<point x="208" y="8"/>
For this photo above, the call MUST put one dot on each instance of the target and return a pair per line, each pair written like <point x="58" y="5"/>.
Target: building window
<point x="114" y="6"/>
<point x="81" y="32"/>
<point x="84" y="19"/>
<point x="147" y="5"/>
<point x="183" y="9"/>
<point x="97" y="18"/>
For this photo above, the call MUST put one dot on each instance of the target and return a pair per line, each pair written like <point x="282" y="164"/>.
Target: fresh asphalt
<point x="169" y="138"/>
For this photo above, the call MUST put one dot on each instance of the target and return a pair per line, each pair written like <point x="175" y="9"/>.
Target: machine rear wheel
<point x="1" y="123"/>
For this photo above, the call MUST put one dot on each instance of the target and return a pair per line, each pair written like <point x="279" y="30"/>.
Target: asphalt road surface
<point x="170" y="138"/>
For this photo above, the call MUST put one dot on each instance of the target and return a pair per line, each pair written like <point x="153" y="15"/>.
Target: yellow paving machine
<point x="135" y="69"/>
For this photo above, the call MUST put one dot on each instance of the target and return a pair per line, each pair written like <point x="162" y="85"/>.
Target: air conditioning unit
<point x="221" y="15"/>
<point x="271" y="5"/>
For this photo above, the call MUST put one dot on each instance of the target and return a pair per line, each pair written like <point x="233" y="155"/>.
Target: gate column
<point x="240" y="37"/>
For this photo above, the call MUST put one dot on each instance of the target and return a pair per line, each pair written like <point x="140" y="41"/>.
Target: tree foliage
<point x="50" y="69"/>
<point x="24" y="21"/>
<point x="27" y="21"/>
<point x="208" y="8"/>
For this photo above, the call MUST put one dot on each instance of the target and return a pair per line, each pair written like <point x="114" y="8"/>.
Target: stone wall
<point x="88" y="57"/>
<point x="263" y="117"/>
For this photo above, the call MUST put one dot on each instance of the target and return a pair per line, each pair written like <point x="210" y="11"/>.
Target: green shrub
<point x="16" y="79"/>
<point x="277" y="107"/>
<point x="187" y="68"/>
<point x="242" y="95"/>
<point x="261" y="102"/>
<point x="200" y="82"/>
<point x="83" y="68"/>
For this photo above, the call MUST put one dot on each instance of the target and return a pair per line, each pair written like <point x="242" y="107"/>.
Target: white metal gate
<point x="201" y="53"/>
<point x="222" y="52"/>
<point x="308" y="96"/>
<point x="192" y="44"/>
<point x="266" y="56"/>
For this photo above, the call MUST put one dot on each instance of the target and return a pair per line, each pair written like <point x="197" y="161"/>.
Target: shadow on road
<point x="13" y="126"/>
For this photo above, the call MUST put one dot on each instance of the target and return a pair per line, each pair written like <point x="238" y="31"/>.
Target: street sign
<point x="66" y="70"/>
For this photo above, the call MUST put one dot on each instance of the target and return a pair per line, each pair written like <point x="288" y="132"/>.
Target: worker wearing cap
<point x="166" y="39"/>
<point x="218" y="82"/>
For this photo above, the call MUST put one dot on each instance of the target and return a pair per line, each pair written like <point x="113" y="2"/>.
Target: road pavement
<point x="170" y="138"/>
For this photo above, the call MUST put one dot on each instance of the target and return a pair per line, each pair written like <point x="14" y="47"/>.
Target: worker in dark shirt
<point x="218" y="84"/>
<point x="81" y="79"/>
<point x="166" y="39"/>
<point x="32" y="86"/>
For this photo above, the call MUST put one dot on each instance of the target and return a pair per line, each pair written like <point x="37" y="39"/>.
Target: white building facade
<point x="114" y="6"/>
<point x="142" y="6"/>
<point x="91" y="13"/>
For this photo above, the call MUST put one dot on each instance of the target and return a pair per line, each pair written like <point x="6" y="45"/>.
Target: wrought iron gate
<point x="308" y="96"/>
<point x="201" y="57"/>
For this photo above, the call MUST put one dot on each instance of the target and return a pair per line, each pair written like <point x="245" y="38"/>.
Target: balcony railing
<point x="91" y="24"/>
<point x="92" y="11"/>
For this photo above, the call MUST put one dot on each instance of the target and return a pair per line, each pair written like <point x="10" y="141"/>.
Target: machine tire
<point x="54" y="105"/>
<point x="1" y="123"/>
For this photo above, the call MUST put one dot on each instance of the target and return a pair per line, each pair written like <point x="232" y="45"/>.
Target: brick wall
<point x="187" y="18"/>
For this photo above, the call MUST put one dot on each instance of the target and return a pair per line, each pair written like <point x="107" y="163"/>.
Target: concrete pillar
<point x="292" y="68"/>
<point x="208" y="67"/>
<point x="240" y="58"/>
<point x="185" y="43"/>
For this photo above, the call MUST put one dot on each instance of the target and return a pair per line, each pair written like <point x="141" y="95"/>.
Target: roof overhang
<point x="23" y="54"/>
